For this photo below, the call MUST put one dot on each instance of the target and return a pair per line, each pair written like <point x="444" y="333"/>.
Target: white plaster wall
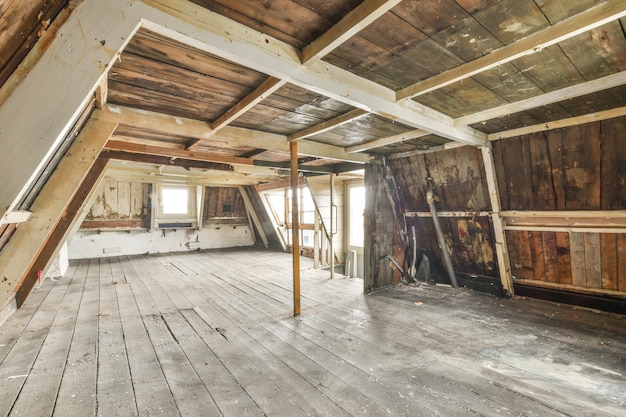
<point x="94" y="244"/>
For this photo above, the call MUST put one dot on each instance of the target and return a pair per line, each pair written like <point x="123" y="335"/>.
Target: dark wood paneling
<point x="613" y="164"/>
<point x="595" y="261"/>
<point x="555" y="151"/>
<point x="458" y="176"/>
<point x="22" y="23"/>
<point x="598" y="52"/>
<point x="541" y="172"/>
<point x="223" y="202"/>
<point x="564" y="260"/>
<point x="608" y="249"/>
<point x="379" y="230"/>
<point x="576" y="168"/>
<point x="470" y="241"/>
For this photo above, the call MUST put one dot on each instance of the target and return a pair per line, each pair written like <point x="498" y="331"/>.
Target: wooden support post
<point x="295" y="227"/>
<point x="54" y="209"/>
<point x="502" y="252"/>
<point x="331" y="232"/>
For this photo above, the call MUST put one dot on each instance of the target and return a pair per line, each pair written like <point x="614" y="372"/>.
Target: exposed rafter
<point x="198" y="129"/>
<point x="558" y="124"/>
<point x="402" y="137"/>
<point x="568" y="28"/>
<point x="567" y="93"/>
<point x="359" y="18"/>
<point x="261" y="92"/>
<point x="194" y="25"/>
<point x="151" y="158"/>
<point x="116" y="145"/>
<point x="328" y="125"/>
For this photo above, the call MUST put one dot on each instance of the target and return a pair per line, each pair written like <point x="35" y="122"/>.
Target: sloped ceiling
<point x="445" y="71"/>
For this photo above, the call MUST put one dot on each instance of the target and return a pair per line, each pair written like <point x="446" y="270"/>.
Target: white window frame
<point x="192" y="205"/>
<point x="348" y="224"/>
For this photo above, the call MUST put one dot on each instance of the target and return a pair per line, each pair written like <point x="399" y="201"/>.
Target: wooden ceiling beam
<point x="196" y="26"/>
<point x="558" y="124"/>
<point x="328" y="125"/>
<point x="359" y="18"/>
<point x="390" y="140"/>
<point x="165" y="160"/>
<point x="568" y="28"/>
<point x="566" y="93"/>
<point x="180" y="126"/>
<point x="116" y="145"/>
<point x="120" y="170"/>
<point x="267" y="87"/>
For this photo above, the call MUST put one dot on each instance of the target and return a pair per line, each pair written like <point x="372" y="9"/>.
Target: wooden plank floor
<point x="211" y="334"/>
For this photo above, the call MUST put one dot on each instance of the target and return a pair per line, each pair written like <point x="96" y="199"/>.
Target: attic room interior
<point x="312" y="207"/>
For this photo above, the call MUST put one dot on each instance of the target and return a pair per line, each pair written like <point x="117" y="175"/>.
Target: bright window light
<point x="357" y="207"/>
<point x="175" y="201"/>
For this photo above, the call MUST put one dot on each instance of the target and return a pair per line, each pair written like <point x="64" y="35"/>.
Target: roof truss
<point x="568" y="28"/>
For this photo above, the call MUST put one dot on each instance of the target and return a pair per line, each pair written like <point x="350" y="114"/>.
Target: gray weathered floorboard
<point x="212" y="333"/>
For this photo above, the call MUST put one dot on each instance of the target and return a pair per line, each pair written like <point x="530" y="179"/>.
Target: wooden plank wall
<point x="224" y="203"/>
<point x="576" y="168"/>
<point x="120" y="204"/>
<point x="379" y="230"/>
<point x="460" y="185"/>
<point x="22" y="23"/>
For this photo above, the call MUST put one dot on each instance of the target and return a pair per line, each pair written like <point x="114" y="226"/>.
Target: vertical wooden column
<point x="331" y="232"/>
<point x="502" y="252"/>
<point x="295" y="226"/>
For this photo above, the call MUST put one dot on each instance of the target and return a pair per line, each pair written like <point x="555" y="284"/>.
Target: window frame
<point x="348" y="185"/>
<point x="191" y="217"/>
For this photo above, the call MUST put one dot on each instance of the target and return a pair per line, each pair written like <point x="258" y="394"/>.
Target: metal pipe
<point x="399" y="268"/>
<point x="442" y="242"/>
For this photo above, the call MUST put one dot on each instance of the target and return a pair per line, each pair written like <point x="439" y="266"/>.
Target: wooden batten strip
<point x="572" y="229"/>
<point x="433" y="149"/>
<point x="566" y="29"/>
<point x="359" y="18"/>
<point x="264" y="90"/>
<point x="448" y="214"/>
<point x="402" y="137"/>
<point x="278" y="184"/>
<point x="327" y="125"/>
<point x="558" y="124"/>
<point x="563" y="94"/>
<point x="570" y="287"/>
<point x="116" y="145"/>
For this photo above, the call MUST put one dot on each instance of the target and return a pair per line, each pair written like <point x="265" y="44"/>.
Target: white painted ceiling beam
<point x="196" y="26"/>
<point x="259" y="94"/>
<point x="390" y="140"/>
<point x="558" y="124"/>
<point x="566" y="93"/>
<point x="359" y="18"/>
<point x="328" y="125"/>
<point x="158" y="122"/>
<point x="568" y="28"/>
<point x="42" y="108"/>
